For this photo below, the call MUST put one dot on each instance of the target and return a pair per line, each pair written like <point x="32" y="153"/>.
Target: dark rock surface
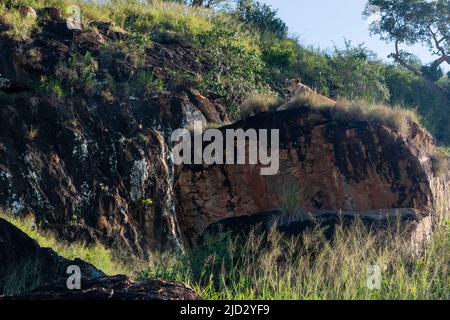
<point x="325" y="219"/>
<point x="22" y="257"/>
<point x="97" y="169"/>
<point x="85" y="166"/>
<point x="112" y="288"/>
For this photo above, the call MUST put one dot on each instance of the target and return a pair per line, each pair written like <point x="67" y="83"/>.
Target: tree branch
<point x="398" y="58"/>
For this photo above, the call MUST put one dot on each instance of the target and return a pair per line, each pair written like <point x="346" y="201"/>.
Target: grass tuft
<point x="258" y="103"/>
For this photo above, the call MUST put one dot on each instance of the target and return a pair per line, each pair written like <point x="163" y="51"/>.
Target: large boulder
<point x="353" y="166"/>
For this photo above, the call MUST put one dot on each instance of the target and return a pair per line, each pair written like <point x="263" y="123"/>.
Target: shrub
<point x="356" y="74"/>
<point x="146" y="83"/>
<point x="51" y="86"/>
<point x="261" y="17"/>
<point x="258" y="103"/>
<point x="79" y="74"/>
<point x="238" y="67"/>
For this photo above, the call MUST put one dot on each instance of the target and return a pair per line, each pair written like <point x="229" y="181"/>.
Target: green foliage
<point x="79" y="74"/>
<point x="147" y="202"/>
<point x="238" y="67"/>
<point x="357" y="74"/>
<point x="409" y="90"/>
<point x="278" y="53"/>
<point x="51" y="86"/>
<point x="145" y="82"/>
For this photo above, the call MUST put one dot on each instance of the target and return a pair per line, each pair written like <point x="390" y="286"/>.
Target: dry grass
<point x="32" y="134"/>
<point x="395" y="117"/>
<point x="312" y="267"/>
<point x="259" y="103"/>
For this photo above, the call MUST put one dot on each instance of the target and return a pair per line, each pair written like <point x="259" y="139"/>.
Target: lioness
<point x="294" y="90"/>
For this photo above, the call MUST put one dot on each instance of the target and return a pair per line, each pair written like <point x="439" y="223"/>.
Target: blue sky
<point x="324" y="23"/>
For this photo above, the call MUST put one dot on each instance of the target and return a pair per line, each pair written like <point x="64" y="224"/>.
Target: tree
<point x="410" y="22"/>
<point x="207" y="3"/>
<point x="261" y="17"/>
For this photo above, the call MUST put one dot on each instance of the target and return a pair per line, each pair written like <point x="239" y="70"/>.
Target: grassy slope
<point x="220" y="268"/>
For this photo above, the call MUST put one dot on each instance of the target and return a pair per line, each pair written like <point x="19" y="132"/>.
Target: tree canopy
<point x="410" y="22"/>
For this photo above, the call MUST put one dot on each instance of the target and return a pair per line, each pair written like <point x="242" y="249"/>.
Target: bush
<point x="51" y="86"/>
<point x="238" y="67"/>
<point x="356" y="74"/>
<point x="261" y="17"/>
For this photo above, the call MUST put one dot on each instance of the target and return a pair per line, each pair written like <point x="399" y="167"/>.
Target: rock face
<point x="352" y="166"/>
<point x="23" y="260"/>
<point x="87" y="168"/>
<point x="112" y="288"/>
<point x="94" y="168"/>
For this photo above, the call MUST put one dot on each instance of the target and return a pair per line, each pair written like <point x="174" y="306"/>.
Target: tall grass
<point x="272" y="266"/>
<point x="258" y="103"/>
<point x="312" y="267"/>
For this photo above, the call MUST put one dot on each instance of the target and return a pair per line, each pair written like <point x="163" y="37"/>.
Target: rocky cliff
<point x="354" y="166"/>
<point x="89" y="168"/>
<point x="98" y="166"/>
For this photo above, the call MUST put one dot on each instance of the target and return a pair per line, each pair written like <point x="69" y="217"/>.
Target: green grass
<point x="271" y="266"/>
<point x="313" y="268"/>
<point x="445" y="150"/>
<point x="21" y="27"/>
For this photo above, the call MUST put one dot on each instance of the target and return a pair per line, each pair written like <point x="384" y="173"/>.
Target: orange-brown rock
<point x="353" y="166"/>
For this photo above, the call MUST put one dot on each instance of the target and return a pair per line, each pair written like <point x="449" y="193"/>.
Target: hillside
<point x="87" y="114"/>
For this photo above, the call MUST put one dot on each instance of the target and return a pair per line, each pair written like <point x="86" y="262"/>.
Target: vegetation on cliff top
<point x="250" y="51"/>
